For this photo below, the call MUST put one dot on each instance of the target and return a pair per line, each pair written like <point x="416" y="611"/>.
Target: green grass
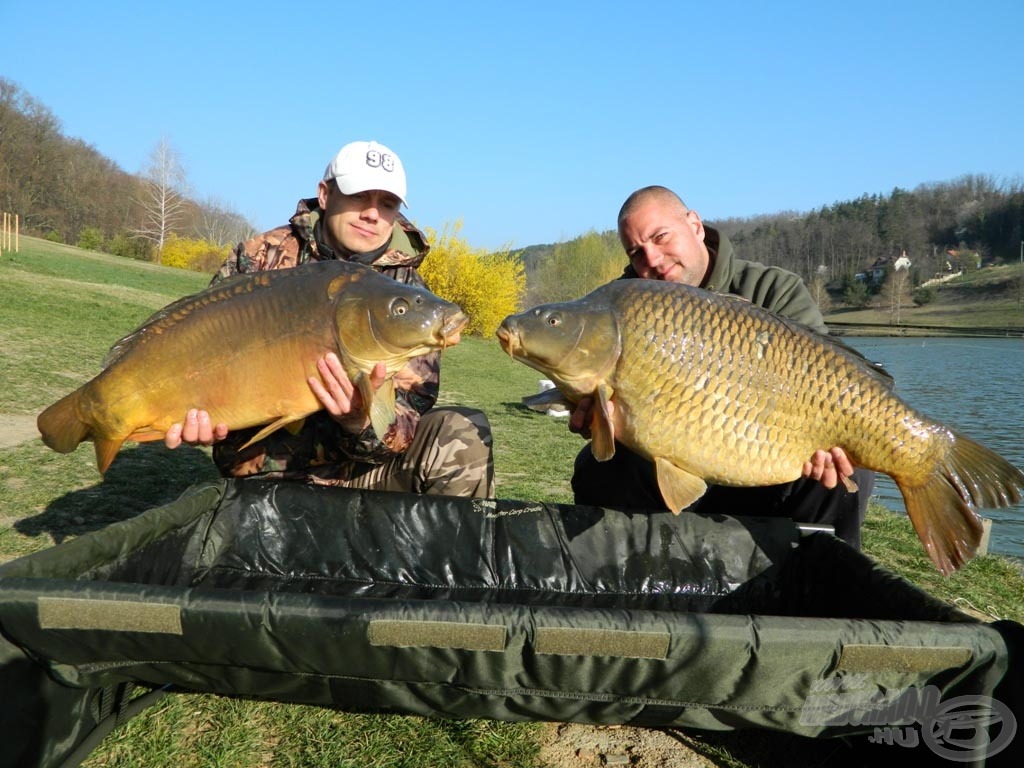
<point x="60" y="310"/>
<point x="192" y="730"/>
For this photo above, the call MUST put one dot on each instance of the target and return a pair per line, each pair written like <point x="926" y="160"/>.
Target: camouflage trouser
<point x="450" y="455"/>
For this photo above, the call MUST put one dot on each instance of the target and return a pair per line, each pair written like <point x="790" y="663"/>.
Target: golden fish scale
<point x="740" y="398"/>
<point x="157" y="387"/>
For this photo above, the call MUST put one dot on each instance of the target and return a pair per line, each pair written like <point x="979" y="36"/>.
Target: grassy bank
<point x="986" y="298"/>
<point x="60" y="310"/>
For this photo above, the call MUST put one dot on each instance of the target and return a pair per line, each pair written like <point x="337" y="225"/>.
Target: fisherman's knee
<point x="625" y="480"/>
<point x="456" y="458"/>
<point x="585" y="477"/>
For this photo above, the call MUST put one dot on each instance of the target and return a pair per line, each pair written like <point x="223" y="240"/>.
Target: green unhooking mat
<point x="386" y="602"/>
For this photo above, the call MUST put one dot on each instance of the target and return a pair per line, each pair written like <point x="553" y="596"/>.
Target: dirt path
<point x="16" y="429"/>
<point x="579" y="746"/>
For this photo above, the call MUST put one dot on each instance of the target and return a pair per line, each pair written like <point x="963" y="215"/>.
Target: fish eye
<point x="554" y="320"/>
<point x="400" y="307"/>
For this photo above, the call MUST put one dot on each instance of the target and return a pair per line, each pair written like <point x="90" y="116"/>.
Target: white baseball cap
<point x="364" y="165"/>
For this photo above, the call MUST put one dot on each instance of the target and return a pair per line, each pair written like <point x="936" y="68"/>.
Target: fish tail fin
<point x="106" y="450"/>
<point x="943" y="508"/>
<point x="60" y="426"/>
<point x="947" y="526"/>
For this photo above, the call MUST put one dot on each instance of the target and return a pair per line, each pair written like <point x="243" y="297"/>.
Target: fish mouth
<point x="451" y="330"/>
<point x="508" y="338"/>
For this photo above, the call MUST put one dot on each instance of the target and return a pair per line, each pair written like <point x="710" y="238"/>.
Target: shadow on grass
<point x="141" y="477"/>
<point x="513" y="408"/>
<point x="757" y="747"/>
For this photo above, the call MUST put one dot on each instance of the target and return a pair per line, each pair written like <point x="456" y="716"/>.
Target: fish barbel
<point x="714" y="389"/>
<point x="243" y="351"/>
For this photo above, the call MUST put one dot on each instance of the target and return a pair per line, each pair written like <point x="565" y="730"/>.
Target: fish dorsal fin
<point x="176" y="311"/>
<point x="380" y="405"/>
<point x="602" y="431"/>
<point x="736" y="297"/>
<point x="678" y="487"/>
<point x="873" y="369"/>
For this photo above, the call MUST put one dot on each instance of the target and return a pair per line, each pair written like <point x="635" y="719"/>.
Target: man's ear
<point x="694" y="220"/>
<point x="321" y="194"/>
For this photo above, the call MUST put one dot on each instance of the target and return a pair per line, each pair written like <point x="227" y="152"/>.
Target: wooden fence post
<point x="10" y="233"/>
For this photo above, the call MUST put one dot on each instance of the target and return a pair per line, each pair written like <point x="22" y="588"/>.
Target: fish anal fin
<point x="381" y="404"/>
<point x="146" y="436"/>
<point x="284" y="421"/>
<point x="602" y="431"/>
<point x="106" y="450"/>
<point x="678" y="487"/>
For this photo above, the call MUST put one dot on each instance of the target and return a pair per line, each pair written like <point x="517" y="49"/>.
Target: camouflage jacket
<point x="776" y="289"/>
<point x="299" y="242"/>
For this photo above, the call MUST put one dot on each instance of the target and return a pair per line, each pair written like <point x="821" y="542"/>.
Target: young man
<point x="665" y="240"/>
<point x="355" y="216"/>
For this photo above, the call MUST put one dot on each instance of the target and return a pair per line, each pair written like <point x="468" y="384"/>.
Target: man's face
<point x="665" y="242"/>
<point x="359" y="223"/>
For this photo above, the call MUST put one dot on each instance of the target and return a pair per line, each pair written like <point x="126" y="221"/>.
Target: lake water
<point x="973" y="385"/>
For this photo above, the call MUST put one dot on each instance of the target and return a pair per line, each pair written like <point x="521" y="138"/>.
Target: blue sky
<point x="532" y="121"/>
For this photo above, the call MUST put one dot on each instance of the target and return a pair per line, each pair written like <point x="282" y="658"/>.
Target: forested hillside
<point x="934" y="223"/>
<point x="63" y="189"/>
<point x="942" y="227"/>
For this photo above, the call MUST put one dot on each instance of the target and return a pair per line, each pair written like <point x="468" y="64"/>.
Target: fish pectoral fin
<point x="602" y="431"/>
<point x="678" y="487"/>
<point x="381" y="408"/>
<point x="545" y="400"/>
<point x="284" y="421"/>
<point x="294" y="427"/>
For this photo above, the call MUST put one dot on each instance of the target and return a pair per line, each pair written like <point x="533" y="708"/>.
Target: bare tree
<point x="819" y="291"/>
<point x="896" y="289"/>
<point x="216" y="222"/>
<point x="163" y="199"/>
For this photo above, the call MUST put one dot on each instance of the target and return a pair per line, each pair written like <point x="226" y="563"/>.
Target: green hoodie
<point x="773" y="288"/>
<point x="776" y="289"/>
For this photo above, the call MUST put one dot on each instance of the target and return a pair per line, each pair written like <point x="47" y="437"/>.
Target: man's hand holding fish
<point x="281" y="373"/>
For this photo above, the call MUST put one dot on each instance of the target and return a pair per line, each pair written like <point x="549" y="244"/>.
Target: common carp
<point x="209" y="351"/>
<point x="714" y="389"/>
